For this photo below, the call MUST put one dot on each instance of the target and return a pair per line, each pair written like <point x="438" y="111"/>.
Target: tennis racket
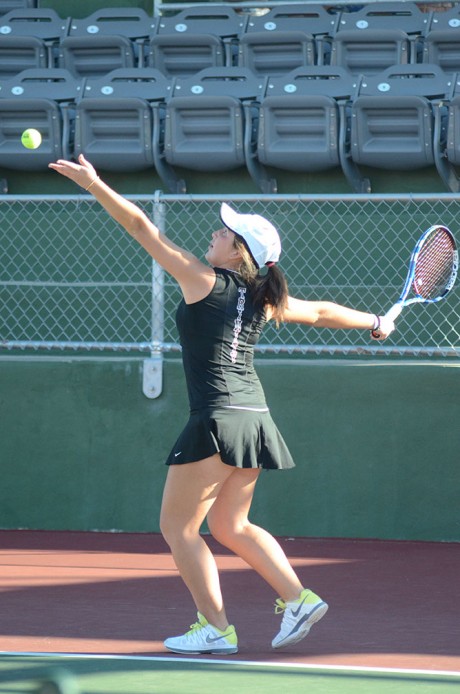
<point x="432" y="271"/>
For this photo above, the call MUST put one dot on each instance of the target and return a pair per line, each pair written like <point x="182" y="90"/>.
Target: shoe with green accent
<point x="204" y="638"/>
<point x="299" y="617"/>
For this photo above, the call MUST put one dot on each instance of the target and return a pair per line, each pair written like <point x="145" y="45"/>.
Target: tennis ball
<point x="31" y="138"/>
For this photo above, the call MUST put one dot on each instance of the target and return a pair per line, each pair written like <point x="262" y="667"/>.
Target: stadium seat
<point x="442" y="42"/>
<point x="58" y="84"/>
<point x="116" y="133"/>
<point x="145" y="83"/>
<point x="379" y="35"/>
<point x="18" y="53"/>
<point x="419" y="80"/>
<point x="43" y="99"/>
<point x="185" y="55"/>
<point x="195" y="39"/>
<point x="271" y="54"/>
<point x="134" y="24"/>
<point x="447" y="19"/>
<point x="209" y="120"/>
<point x="370" y="52"/>
<point x="120" y="119"/>
<point x="442" y="47"/>
<point x="406" y="16"/>
<point x="447" y="139"/>
<point x="93" y="56"/>
<point x="313" y="20"/>
<point x="43" y="24"/>
<point x="300" y="119"/>
<point x="392" y="118"/>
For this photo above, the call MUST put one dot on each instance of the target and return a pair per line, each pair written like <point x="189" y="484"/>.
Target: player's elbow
<point x="325" y="313"/>
<point x="137" y="224"/>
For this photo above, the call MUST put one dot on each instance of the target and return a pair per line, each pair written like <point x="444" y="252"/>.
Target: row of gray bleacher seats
<point x="266" y="105"/>
<point x="315" y="118"/>
<point x="365" y="41"/>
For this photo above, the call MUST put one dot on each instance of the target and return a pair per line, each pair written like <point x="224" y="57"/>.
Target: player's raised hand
<point x="81" y="172"/>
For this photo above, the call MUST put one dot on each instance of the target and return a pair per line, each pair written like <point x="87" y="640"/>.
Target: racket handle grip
<point x="394" y="312"/>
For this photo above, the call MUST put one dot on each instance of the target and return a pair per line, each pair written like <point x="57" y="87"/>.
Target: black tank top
<point x="218" y="335"/>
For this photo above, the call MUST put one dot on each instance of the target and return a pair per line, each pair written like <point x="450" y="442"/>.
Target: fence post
<point x="152" y="385"/>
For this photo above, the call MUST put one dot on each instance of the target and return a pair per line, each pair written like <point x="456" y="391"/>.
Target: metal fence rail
<point x="71" y="279"/>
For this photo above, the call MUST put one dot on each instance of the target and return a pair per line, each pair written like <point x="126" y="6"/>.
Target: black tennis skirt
<point x="243" y="438"/>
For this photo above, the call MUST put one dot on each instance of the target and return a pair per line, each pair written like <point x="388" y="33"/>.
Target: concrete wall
<point x="376" y="445"/>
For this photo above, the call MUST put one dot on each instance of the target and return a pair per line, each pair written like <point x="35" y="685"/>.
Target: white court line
<point x="251" y="663"/>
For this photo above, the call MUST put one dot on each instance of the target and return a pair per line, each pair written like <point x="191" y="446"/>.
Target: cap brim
<point x="232" y="220"/>
<point x="229" y="217"/>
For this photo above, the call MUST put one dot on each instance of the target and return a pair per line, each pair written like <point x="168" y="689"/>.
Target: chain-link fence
<point x="71" y="279"/>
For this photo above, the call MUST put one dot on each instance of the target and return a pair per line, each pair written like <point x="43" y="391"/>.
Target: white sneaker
<point x="204" y="638"/>
<point x="299" y="616"/>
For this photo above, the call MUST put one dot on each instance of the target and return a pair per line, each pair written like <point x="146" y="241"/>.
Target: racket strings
<point x="435" y="265"/>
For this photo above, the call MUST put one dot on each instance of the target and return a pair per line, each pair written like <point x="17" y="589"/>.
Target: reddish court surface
<point x="392" y="604"/>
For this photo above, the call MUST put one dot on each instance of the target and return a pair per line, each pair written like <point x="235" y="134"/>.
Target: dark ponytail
<point x="267" y="289"/>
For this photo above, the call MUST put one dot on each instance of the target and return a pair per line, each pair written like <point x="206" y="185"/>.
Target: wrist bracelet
<point x="92" y="182"/>
<point x="376" y="323"/>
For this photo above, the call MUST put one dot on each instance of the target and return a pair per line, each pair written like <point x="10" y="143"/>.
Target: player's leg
<point x="189" y="493"/>
<point x="229" y="523"/>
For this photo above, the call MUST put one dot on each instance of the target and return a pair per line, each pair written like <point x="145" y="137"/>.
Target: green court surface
<point x="125" y="675"/>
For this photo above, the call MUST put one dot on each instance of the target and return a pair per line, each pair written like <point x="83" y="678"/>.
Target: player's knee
<point x="169" y="528"/>
<point x="225" y="530"/>
<point x="177" y="531"/>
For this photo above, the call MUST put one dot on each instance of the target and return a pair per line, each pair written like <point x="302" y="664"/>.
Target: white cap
<point x="260" y="236"/>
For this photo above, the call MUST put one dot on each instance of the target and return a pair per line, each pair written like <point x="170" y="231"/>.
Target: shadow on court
<point x="392" y="604"/>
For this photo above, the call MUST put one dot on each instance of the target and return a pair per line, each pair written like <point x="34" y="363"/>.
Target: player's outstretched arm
<point x="123" y="211"/>
<point x="181" y="264"/>
<point x="326" y="314"/>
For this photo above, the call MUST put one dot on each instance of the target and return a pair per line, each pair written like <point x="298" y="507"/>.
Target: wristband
<point x="376" y="323"/>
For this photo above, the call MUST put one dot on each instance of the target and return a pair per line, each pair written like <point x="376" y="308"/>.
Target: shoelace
<point x="194" y="627"/>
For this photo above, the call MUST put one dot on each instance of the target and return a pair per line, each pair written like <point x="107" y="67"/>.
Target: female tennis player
<point x="230" y="436"/>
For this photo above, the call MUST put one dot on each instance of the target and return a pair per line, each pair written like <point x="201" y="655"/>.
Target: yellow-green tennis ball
<point x="31" y="138"/>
